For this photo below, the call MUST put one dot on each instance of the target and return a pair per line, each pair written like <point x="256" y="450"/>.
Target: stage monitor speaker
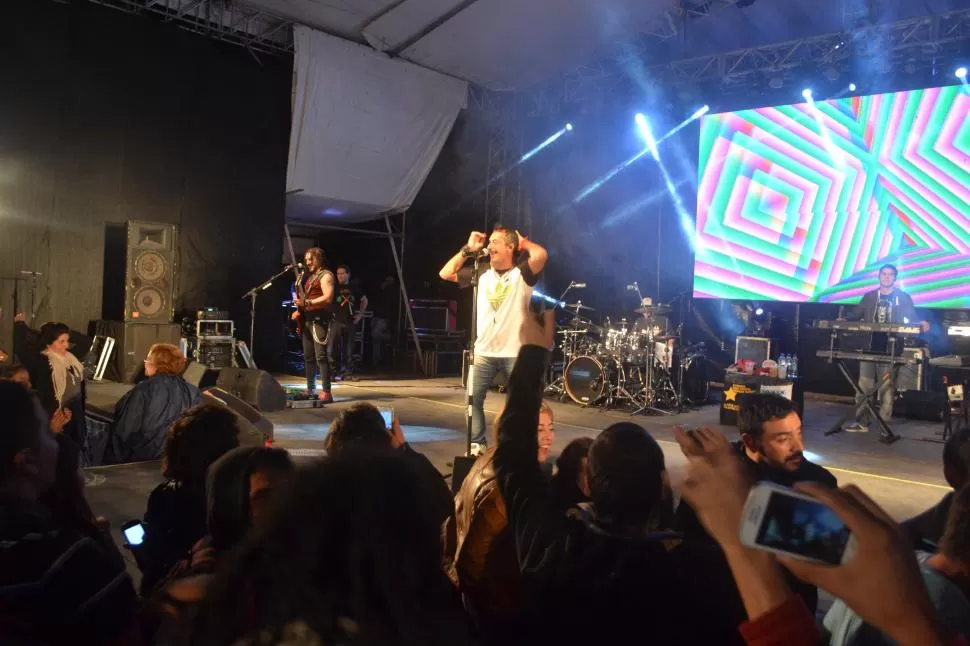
<point x="143" y="289"/>
<point x="922" y="405"/>
<point x="200" y="375"/>
<point x="255" y="387"/>
<point x="132" y="342"/>
<point x="255" y="429"/>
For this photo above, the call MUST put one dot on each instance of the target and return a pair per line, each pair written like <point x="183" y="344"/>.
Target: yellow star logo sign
<point x="730" y="394"/>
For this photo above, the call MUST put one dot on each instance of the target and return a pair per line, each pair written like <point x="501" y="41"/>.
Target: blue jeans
<point x="482" y="374"/>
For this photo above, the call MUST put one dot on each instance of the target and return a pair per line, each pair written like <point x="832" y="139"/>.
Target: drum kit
<point x="640" y="363"/>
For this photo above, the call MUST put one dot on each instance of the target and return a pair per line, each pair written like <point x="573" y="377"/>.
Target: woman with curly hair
<point x="176" y="515"/>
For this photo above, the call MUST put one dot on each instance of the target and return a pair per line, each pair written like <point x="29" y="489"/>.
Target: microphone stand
<point x="473" y="336"/>
<point x="251" y="295"/>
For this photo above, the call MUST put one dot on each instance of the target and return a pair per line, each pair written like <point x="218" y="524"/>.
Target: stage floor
<point x="905" y="477"/>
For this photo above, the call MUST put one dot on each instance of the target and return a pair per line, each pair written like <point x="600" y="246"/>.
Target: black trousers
<point x="314" y="359"/>
<point x="342" y="343"/>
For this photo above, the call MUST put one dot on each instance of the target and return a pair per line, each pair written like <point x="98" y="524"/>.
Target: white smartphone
<point x="134" y="532"/>
<point x="781" y="520"/>
<point x="388" y="414"/>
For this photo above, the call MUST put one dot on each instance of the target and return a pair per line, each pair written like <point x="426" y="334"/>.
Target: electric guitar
<point x="314" y="316"/>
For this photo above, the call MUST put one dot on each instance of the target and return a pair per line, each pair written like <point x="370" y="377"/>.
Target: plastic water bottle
<point x="782" y="366"/>
<point x="793" y="367"/>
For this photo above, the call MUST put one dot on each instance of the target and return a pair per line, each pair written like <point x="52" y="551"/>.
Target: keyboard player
<point x="886" y="304"/>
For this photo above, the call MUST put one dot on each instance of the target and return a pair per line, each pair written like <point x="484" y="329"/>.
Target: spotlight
<point x="851" y="87"/>
<point x="647" y="135"/>
<point x="961" y="73"/>
<point x="704" y="109"/>
<point x="807" y="93"/>
<point x="759" y="312"/>
<point x="569" y="126"/>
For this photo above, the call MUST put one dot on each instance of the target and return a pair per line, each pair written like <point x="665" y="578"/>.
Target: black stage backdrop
<point x="107" y="117"/>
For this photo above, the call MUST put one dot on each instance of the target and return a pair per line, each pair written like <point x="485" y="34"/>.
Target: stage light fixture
<point x="851" y="87"/>
<point x="807" y="93"/>
<point x="569" y="126"/>
<point x="961" y="73"/>
<point x="759" y="312"/>
<point x="704" y="109"/>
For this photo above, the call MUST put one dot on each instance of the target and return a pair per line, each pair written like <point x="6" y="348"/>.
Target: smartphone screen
<point x="134" y="534"/>
<point x="388" y="415"/>
<point x="803" y="527"/>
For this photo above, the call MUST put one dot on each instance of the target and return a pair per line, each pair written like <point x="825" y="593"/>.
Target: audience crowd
<point x="368" y="546"/>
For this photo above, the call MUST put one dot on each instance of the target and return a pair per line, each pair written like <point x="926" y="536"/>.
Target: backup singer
<point x="886" y="304"/>
<point x="313" y="320"/>
<point x="504" y="290"/>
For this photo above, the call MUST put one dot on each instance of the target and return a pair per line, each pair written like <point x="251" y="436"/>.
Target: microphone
<point x="481" y="253"/>
<point x="579" y="285"/>
<point x="631" y="288"/>
<point x="294" y="265"/>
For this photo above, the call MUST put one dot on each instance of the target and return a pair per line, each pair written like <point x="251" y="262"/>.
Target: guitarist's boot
<point x="325" y="397"/>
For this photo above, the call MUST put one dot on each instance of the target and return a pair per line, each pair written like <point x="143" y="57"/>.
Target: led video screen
<point x="805" y="202"/>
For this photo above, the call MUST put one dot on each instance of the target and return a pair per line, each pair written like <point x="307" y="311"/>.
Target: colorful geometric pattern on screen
<point x="804" y="204"/>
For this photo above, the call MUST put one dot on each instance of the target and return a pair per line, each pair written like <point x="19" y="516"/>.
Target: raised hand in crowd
<point x="3" y="356"/>
<point x="882" y="582"/>
<point x="397" y="435"/>
<point x="20" y="317"/>
<point x="539" y="329"/>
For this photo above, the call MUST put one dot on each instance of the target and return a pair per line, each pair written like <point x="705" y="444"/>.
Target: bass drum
<point x="695" y="380"/>
<point x="587" y="379"/>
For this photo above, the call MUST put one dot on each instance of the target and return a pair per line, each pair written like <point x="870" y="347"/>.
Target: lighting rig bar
<point x="229" y="22"/>
<point x="916" y="41"/>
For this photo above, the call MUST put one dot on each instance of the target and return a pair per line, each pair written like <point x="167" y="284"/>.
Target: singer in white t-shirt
<point x="504" y="290"/>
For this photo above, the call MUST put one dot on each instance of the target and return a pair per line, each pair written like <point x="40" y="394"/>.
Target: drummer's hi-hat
<point x="580" y="306"/>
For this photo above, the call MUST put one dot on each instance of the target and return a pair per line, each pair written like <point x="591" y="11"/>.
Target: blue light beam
<point x="647" y="135"/>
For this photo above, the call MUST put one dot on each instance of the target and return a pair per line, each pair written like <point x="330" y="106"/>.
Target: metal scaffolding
<point x="913" y="44"/>
<point x="229" y="22"/>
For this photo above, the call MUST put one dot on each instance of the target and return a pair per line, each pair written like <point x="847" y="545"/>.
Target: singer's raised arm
<point x="476" y="242"/>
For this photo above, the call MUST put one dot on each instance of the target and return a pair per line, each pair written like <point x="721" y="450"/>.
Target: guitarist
<point x="314" y="287"/>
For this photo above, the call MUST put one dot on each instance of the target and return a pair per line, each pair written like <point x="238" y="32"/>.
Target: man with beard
<point x="772" y="444"/>
<point x="772" y="448"/>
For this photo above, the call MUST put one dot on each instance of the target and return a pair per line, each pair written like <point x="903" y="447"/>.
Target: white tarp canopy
<point x="366" y="129"/>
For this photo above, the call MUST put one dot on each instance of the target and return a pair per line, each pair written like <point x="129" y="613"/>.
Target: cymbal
<point x="580" y="306"/>
<point x="654" y="309"/>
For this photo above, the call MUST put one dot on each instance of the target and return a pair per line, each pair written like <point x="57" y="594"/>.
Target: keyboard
<point x="862" y="326"/>
<point x="958" y="330"/>
<point x="847" y="355"/>
<point x="951" y="361"/>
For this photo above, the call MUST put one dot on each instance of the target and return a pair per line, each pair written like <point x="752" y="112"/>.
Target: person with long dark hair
<point x="351" y="555"/>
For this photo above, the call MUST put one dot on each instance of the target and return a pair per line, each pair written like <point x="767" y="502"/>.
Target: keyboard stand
<point x="886" y="434"/>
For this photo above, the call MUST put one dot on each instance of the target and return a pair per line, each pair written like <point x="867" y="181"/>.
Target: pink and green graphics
<point x="805" y="202"/>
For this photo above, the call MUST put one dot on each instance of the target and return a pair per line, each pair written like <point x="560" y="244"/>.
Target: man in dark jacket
<point x="772" y="448"/>
<point x="607" y="572"/>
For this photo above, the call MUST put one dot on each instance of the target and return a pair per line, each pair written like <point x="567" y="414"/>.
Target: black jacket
<point x="902" y="303"/>
<point x="143" y="415"/>
<point x="26" y="344"/>
<point x="690" y="525"/>
<point x="174" y="521"/>
<point x="926" y="529"/>
<point x="590" y="583"/>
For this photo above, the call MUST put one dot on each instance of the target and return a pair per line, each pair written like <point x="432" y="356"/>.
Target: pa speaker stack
<point x="140" y="286"/>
